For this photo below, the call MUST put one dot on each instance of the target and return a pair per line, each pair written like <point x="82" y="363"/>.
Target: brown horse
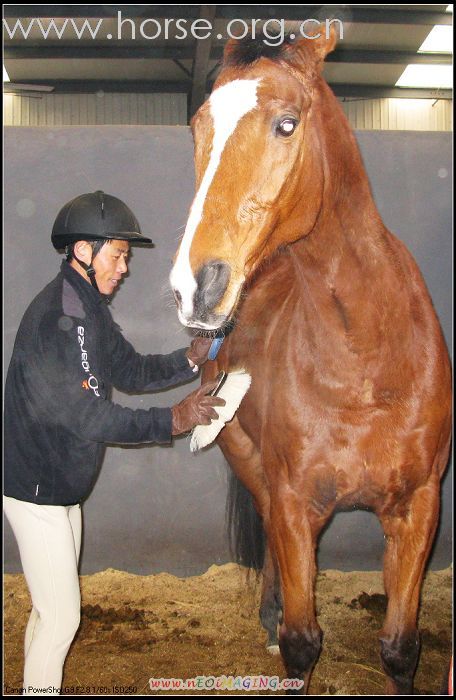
<point x="350" y="397"/>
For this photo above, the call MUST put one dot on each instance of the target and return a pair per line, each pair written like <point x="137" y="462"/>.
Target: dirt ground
<point x="135" y="628"/>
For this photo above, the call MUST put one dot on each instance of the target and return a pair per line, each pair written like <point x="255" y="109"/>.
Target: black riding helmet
<point x="95" y="216"/>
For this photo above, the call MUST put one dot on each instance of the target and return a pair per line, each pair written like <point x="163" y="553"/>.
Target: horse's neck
<point x="349" y="236"/>
<point x="350" y="262"/>
<point x="347" y="240"/>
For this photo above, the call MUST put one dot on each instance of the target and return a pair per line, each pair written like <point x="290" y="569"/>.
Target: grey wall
<point x="160" y="508"/>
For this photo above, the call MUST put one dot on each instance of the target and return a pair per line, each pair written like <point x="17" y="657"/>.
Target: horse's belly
<point x="347" y="458"/>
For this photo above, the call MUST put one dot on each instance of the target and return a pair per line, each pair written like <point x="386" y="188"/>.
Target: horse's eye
<point x="286" y="126"/>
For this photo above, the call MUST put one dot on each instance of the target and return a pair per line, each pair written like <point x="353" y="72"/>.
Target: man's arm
<point x="132" y="371"/>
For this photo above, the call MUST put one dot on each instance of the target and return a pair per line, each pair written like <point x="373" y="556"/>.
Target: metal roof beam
<point x="89" y="86"/>
<point x="348" y="13"/>
<point x="172" y="52"/>
<point x="387" y="57"/>
<point x="184" y="86"/>
<point x="78" y="51"/>
<point x="100" y="11"/>
<point x="386" y="91"/>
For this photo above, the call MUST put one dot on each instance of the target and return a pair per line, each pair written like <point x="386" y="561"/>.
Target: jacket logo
<point x="92" y="381"/>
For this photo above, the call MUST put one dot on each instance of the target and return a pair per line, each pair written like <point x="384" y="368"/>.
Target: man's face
<point x="110" y="264"/>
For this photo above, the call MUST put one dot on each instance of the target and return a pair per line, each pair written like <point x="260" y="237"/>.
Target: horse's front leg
<point x="409" y="535"/>
<point x="293" y="533"/>
<point x="271" y="601"/>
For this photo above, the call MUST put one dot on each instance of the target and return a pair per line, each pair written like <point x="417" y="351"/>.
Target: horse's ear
<point x="316" y="45"/>
<point x="230" y="46"/>
<point x="325" y="43"/>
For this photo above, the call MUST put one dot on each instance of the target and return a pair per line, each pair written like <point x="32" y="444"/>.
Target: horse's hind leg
<point x="271" y="603"/>
<point x="409" y="539"/>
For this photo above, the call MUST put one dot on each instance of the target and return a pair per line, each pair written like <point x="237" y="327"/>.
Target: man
<point x="58" y="415"/>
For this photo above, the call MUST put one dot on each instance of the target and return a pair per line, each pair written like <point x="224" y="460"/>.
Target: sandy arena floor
<point x="135" y="628"/>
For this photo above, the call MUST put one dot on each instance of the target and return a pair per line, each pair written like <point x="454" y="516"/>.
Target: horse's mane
<point x="244" y="52"/>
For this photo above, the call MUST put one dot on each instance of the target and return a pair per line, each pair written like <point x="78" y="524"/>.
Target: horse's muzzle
<point x="212" y="282"/>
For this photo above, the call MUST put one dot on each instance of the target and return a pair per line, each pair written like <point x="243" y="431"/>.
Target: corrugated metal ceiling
<point x="378" y="42"/>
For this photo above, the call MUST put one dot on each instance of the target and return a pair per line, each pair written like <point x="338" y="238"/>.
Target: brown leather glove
<point x="199" y="349"/>
<point x="195" y="409"/>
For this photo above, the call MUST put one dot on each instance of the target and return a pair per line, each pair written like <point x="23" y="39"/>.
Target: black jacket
<point x="67" y="356"/>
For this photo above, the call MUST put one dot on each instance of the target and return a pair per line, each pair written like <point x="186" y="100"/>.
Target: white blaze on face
<point x="228" y="104"/>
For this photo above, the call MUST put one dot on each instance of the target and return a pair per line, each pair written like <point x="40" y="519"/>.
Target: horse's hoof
<point x="273" y="649"/>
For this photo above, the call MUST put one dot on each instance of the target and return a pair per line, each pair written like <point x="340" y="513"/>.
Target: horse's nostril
<point x="212" y="281"/>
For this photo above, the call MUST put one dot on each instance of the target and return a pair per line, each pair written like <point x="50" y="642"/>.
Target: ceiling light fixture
<point x="439" y="40"/>
<point x="419" y="76"/>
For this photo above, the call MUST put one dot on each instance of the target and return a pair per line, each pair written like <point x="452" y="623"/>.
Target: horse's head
<point x="259" y="173"/>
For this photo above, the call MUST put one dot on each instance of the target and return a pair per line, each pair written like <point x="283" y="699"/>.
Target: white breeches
<point x="49" y="540"/>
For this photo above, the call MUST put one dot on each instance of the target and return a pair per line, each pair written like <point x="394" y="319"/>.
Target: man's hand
<point x="196" y="409"/>
<point x="198" y="350"/>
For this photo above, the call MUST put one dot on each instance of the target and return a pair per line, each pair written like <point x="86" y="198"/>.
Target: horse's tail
<point x="245" y="529"/>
